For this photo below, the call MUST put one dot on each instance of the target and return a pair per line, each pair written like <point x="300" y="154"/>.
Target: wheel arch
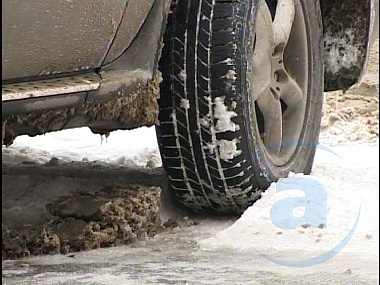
<point x="349" y="29"/>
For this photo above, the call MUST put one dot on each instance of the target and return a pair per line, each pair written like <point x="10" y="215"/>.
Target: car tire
<point x="241" y="98"/>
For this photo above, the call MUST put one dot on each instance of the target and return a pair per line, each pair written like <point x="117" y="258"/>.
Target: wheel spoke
<point x="291" y="94"/>
<point x="261" y="73"/>
<point x="283" y="21"/>
<point x="288" y="90"/>
<point x="270" y="107"/>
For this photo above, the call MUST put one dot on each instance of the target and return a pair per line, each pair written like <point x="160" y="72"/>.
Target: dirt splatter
<point x="115" y="215"/>
<point x="353" y="116"/>
<point x="345" y="25"/>
<point x="136" y="110"/>
<point x="119" y="111"/>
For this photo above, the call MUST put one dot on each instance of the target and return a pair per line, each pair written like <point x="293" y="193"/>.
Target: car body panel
<point x="133" y="19"/>
<point x="51" y="37"/>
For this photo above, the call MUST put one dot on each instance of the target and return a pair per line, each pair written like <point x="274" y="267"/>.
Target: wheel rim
<point x="280" y="77"/>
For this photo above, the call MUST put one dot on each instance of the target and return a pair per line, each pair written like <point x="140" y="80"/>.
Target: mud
<point x="69" y="207"/>
<point x="119" y="111"/>
<point x="136" y="110"/>
<point x="114" y="215"/>
<point x="345" y="25"/>
<point x="353" y="116"/>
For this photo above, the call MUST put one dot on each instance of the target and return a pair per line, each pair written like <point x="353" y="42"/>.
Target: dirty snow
<point x="224" y="252"/>
<point x="353" y="118"/>
<point x="334" y="59"/>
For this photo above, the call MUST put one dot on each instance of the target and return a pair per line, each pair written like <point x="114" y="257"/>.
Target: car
<point x="234" y="87"/>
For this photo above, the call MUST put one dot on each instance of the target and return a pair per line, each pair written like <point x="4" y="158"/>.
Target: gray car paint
<point x="124" y="100"/>
<point x="48" y="36"/>
<point x="134" y="18"/>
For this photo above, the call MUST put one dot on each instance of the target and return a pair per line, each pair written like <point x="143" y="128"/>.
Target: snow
<point x="228" y="149"/>
<point x="185" y="104"/>
<point x="128" y="148"/>
<point x="351" y="185"/>
<point x="349" y="125"/>
<point x="231" y="74"/>
<point x="223" y="116"/>
<point x="182" y="75"/>
<point x="204" y="122"/>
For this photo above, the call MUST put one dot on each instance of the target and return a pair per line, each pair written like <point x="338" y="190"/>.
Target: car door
<point x="45" y="37"/>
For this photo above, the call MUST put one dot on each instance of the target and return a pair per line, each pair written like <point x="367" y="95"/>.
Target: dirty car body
<point x="92" y="63"/>
<point x="80" y="63"/>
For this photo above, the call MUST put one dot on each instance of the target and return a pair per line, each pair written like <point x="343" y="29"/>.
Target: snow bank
<point x="351" y="183"/>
